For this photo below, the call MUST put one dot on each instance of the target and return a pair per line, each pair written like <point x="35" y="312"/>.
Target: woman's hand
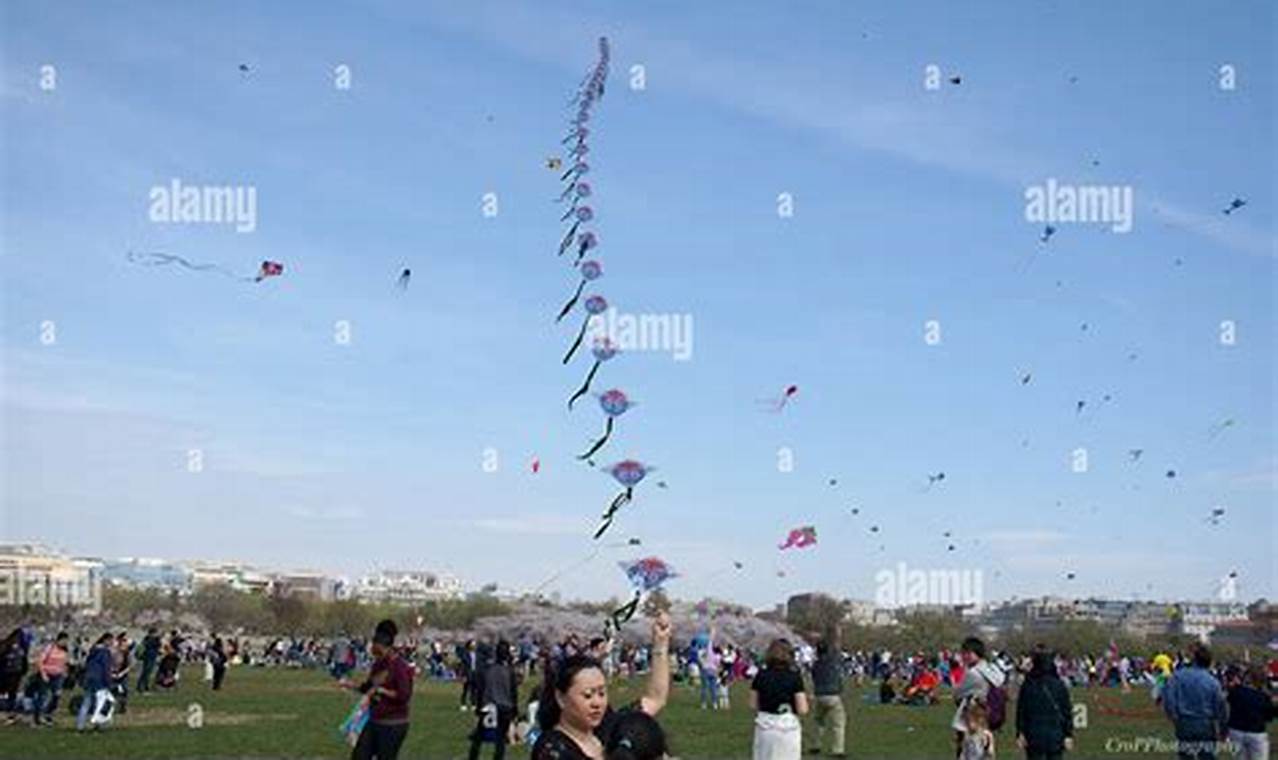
<point x="1020" y="741"/>
<point x="1069" y="744"/>
<point x="661" y="631"/>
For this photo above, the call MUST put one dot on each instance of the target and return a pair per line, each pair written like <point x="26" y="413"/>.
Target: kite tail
<point x="562" y="196"/>
<point x="571" y="210"/>
<point x="585" y="387"/>
<point x="617" y="503"/>
<point x="567" y="241"/>
<point x="624" y="613"/>
<point x="577" y="343"/>
<point x="599" y="443"/>
<point x="564" y="177"/>
<point x="571" y="302"/>
<point x="581" y="253"/>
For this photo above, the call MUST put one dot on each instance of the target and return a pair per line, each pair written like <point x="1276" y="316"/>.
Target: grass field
<point x="289" y="713"/>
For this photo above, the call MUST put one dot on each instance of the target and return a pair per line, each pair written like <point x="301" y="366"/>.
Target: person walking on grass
<point x="388" y="690"/>
<point x="150" y="655"/>
<point x="1195" y="703"/>
<point x="980" y="677"/>
<point x="778" y="699"/>
<point x="1044" y="716"/>
<point x="97" y="681"/>
<point x="52" y="672"/>
<point x="827" y="686"/>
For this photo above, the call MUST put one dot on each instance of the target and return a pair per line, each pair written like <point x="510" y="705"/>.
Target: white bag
<point x="208" y="671"/>
<point x="103" y="707"/>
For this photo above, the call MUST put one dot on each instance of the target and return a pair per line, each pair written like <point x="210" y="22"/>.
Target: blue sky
<point x="908" y="207"/>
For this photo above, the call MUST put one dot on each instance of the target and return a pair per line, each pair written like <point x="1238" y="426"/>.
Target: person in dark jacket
<point x="97" y="678"/>
<point x="498" y="697"/>
<point x="150" y="655"/>
<point x="13" y="665"/>
<point x="217" y="657"/>
<point x="1195" y="702"/>
<point x="827" y="685"/>
<point x="1044" y="717"/>
<point x="1250" y="708"/>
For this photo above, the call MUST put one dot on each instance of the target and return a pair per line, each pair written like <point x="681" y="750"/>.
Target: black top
<point x="777" y="688"/>
<point x="1249" y="710"/>
<point x="1044" y="715"/>
<point x="556" y="745"/>
<point x="827" y="675"/>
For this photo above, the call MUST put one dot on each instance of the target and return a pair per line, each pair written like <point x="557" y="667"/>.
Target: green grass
<point x="288" y="713"/>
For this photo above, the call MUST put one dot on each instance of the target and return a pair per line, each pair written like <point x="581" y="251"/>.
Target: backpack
<point x="995" y="704"/>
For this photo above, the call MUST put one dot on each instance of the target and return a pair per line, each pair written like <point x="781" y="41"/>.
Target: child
<point x="978" y="742"/>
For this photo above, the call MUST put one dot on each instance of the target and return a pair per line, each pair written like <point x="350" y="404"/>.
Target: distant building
<point x="234" y="575"/>
<point x="306" y="584"/>
<point x="407" y="587"/>
<point x="33" y="574"/>
<point x="147" y="573"/>
<point x="1201" y="618"/>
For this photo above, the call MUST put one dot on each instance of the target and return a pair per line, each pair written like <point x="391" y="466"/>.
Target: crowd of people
<point x="566" y="716"/>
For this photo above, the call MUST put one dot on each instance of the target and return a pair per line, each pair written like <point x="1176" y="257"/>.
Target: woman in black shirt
<point x="778" y="698"/>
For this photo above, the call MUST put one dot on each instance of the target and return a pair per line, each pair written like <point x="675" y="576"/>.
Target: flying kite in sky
<point x="1048" y="231"/>
<point x="648" y="573"/>
<point x="779" y="403"/>
<point x="590" y="271"/>
<point x="1219" y="428"/>
<point x="554" y="163"/>
<point x="594" y="306"/>
<point x="799" y="538"/>
<point x="603" y="350"/>
<point x="580" y="191"/>
<point x="1216" y="514"/>
<point x="581" y="214"/>
<point x="536" y="465"/>
<point x="585" y="242"/>
<point x="1234" y="205"/>
<point x="1171" y="474"/>
<point x="934" y="479"/>
<point x="1026" y="378"/>
<point x="628" y="473"/>
<point x="404" y="277"/>
<point x="614" y="404"/>
<point x="267" y="268"/>
<point x="1135" y="454"/>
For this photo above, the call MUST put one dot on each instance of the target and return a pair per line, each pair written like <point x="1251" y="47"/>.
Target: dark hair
<point x="779" y="655"/>
<point x="1201" y="655"/>
<point x="105" y="638"/>
<point x="385" y="633"/>
<point x="974" y="645"/>
<point x="1042" y="662"/>
<point x="636" y="736"/>
<point x="559" y="679"/>
<point x="596" y="641"/>
<point x="503" y="652"/>
<point x="822" y="648"/>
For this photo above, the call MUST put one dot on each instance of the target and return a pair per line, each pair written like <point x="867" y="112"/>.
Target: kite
<point x="614" y="404"/>
<point x="1216" y="514"/>
<point x="856" y="511"/>
<point x="1135" y="454"/>
<point x="590" y="271"/>
<point x="1234" y="205"/>
<point x="737" y="565"/>
<point x="1026" y="378"/>
<point x="578" y="133"/>
<point x="267" y="268"/>
<point x="1048" y="231"/>
<point x="1069" y="576"/>
<point x="1078" y="408"/>
<point x="578" y="191"/>
<point x="404" y="277"/>
<point x="778" y="403"/>
<point x="536" y="465"/>
<point x="603" y="350"/>
<point x="628" y="473"/>
<point x="595" y="305"/>
<point x="934" y="479"/>
<point x="800" y="538"/>
<point x="662" y="484"/>
<point x="1171" y="474"/>
<point x="950" y="548"/>
<point x="834" y="481"/>
<point x="632" y="542"/>
<point x="648" y="573"/>
<point x="583" y="214"/>
<point x="244" y="67"/>
<point x="586" y="242"/>
<point x="874" y="529"/>
<point x="554" y="163"/>
<point x="956" y="80"/>
<point x="1219" y="428"/>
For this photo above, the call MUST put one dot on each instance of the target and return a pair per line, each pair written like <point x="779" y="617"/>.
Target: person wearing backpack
<point x="1044" y="716"/>
<point x="982" y="681"/>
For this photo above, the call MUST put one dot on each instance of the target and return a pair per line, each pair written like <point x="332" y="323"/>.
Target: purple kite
<point x="800" y="538"/>
<point x="614" y="404"/>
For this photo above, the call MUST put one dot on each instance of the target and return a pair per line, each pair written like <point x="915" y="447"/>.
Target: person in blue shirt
<point x="1195" y="702"/>
<point x="97" y="677"/>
